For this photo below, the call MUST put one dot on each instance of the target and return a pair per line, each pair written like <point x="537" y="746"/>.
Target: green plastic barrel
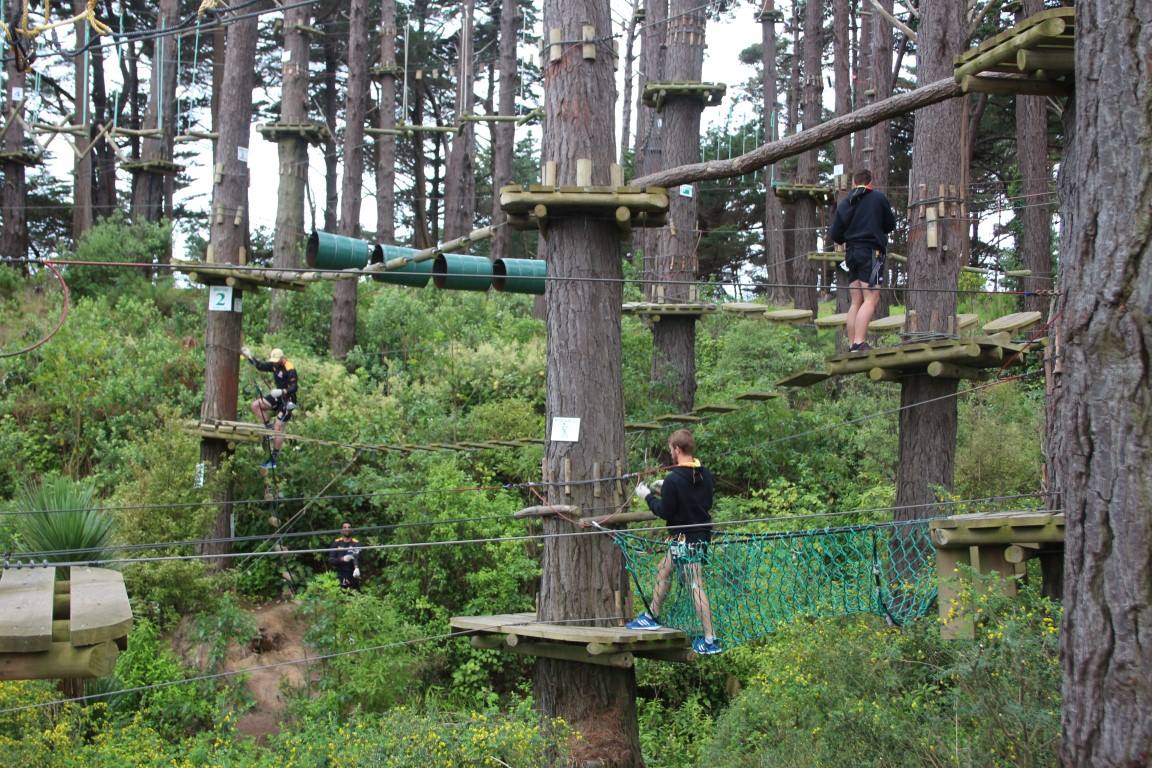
<point x="415" y="274"/>
<point x="462" y="273"/>
<point x="329" y="251"/>
<point x="519" y="275"/>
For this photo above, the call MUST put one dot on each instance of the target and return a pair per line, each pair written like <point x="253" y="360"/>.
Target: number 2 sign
<point x="219" y="298"/>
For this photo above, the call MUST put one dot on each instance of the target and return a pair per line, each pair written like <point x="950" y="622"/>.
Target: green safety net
<point x="755" y="582"/>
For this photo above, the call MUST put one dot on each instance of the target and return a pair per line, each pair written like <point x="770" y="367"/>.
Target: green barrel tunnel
<point x="414" y="274"/>
<point x="462" y="273"/>
<point x="519" y="275"/>
<point x="328" y="251"/>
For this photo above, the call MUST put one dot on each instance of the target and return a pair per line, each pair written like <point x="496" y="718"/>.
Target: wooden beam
<point x="575" y="653"/>
<point x="61" y="660"/>
<point x="810" y="138"/>
<point x="100" y="610"/>
<point x="26" y="598"/>
<point x="942" y="370"/>
<point x="547" y="510"/>
<point x="1006" y="50"/>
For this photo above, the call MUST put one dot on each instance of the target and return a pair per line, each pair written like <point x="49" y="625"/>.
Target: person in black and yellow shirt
<point x="344" y="557"/>
<point x="278" y="404"/>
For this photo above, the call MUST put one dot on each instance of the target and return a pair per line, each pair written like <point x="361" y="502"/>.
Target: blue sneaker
<point x="270" y="464"/>
<point x="702" y="647"/>
<point x="643" y="621"/>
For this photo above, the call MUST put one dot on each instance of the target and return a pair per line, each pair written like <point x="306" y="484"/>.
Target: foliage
<point x="59" y="515"/>
<point x="117" y="241"/>
<point x="852" y="692"/>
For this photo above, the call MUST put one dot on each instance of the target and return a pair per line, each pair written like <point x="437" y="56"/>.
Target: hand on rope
<point x="643" y="491"/>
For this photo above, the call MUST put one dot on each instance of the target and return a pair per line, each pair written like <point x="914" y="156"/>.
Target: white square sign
<point x="17" y="94"/>
<point x="565" y="429"/>
<point x="242" y="154"/>
<point x="686" y="190"/>
<point x="219" y="298"/>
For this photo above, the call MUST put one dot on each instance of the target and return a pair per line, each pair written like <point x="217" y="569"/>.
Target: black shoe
<point x="863" y="347"/>
<point x="853" y="347"/>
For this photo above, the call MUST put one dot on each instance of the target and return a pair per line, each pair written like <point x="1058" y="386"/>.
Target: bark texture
<point x="14" y="194"/>
<point x="152" y="192"/>
<point x="1101" y="434"/>
<point x="386" y="144"/>
<point x="775" y="259"/>
<point x="292" y="153"/>
<point x="673" y="373"/>
<point x="504" y="134"/>
<point x="460" y="177"/>
<point x="1035" y="181"/>
<point x="82" y="166"/>
<point x="583" y="576"/>
<point x="801" y="271"/>
<point x="343" y="332"/>
<point x="928" y="416"/>
<point x="228" y="238"/>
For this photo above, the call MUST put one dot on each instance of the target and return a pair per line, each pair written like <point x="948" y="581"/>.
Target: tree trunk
<point x="803" y="273"/>
<point x="386" y="143"/>
<point x="928" y="429"/>
<point x="504" y="134"/>
<point x="343" y="332"/>
<point x="82" y="167"/>
<point x="292" y="153"/>
<point x="422" y="232"/>
<point x="228" y="241"/>
<point x="647" y="157"/>
<point x="14" y="195"/>
<point x="629" y="60"/>
<point x="841" y="54"/>
<point x="673" y="374"/>
<point x="103" y="150"/>
<point x="1036" y="214"/>
<point x="1101" y="435"/>
<point x="582" y="576"/>
<point x="460" y="177"/>
<point x="774" y="250"/>
<point x="149" y="192"/>
<point x="331" y="108"/>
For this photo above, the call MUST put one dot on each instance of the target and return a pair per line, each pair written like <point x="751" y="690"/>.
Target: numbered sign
<point x="219" y="298"/>
<point x="565" y="430"/>
<point x="242" y="154"/>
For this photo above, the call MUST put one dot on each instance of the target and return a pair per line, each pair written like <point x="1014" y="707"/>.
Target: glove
<point x="356" y="572"/>
<point x="643" y="491"/>
<point x="657" y="485"/>
<point x="276" y="393"/>
<point x="347" y="558"/>
<point x="245" y="352"/>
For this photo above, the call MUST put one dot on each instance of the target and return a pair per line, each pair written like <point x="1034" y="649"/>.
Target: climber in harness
<point x="275" y="408"/>
<point x="684" y="502"/>
<point x="345" y="558"/>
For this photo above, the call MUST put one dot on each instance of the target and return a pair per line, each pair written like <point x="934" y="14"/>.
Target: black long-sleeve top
<point x="284" y="376"/>
<point x="863" y="218"/>
<point x="685" y="502"/>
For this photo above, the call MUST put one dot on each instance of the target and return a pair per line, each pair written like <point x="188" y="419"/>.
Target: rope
<point x="59" y="322"/>
<point x="31" y="33"/>
<point x="757" y="582"/>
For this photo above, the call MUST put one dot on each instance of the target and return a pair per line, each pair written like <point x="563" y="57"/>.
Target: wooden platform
<point x="1035" y="56"/>
<point x="1017" y="321"/>
<point x="792" y="316"/>
<point x="26" y="159"/>
<point x="790" y="193"/>
<point x="994" y="542"/>
<point x="61" y="629"/>
<point x="163" y="167"/>
<point x="655" y="309"/>
<point x="947" y="358"/>
<point x="656" y="93"/>
<point x="312" y="132"/>
<point x="605" y="646"/>
<point x="531" y="207"/>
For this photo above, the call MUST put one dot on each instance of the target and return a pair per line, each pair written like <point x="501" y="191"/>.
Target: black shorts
<point x="866" y="265"/>
<point x="280" y="405"/>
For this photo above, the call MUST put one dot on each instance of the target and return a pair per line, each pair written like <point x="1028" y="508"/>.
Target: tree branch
<point x="775" y="151"/>
<point x="894" y="21"/>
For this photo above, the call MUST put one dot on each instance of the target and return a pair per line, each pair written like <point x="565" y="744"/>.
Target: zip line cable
<point x="427" y="544"/>
<point x="974" y="501"/>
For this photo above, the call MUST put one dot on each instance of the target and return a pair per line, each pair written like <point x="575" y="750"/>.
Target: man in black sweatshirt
<point x="862" y="223"/>
<point x="685" y="502"/>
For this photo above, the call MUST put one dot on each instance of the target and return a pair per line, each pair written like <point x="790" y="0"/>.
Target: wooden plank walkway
<point x="26" y="609"/>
